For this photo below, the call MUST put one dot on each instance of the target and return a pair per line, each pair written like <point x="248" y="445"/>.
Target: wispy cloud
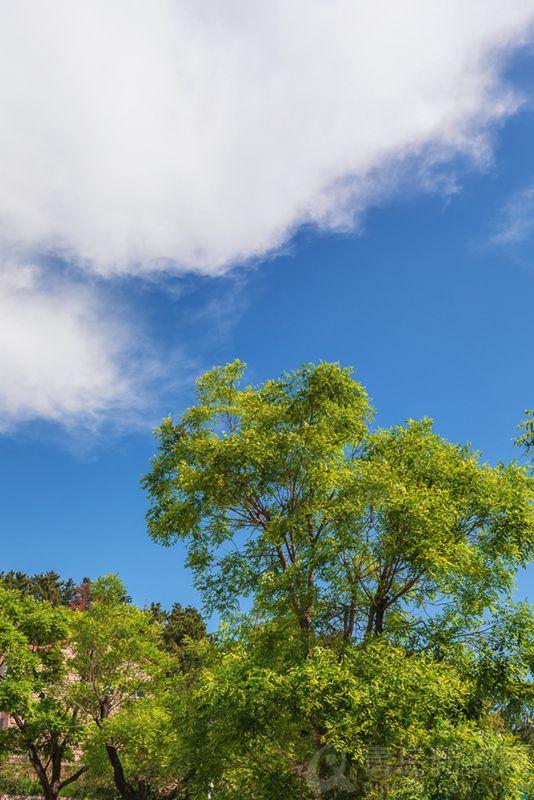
<point x="516" y="222"/>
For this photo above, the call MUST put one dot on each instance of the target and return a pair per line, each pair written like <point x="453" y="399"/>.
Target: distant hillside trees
<point x="48" y="586"/>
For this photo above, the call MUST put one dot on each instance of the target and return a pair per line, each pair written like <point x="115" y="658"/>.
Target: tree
<point x="181" y="627"/>
<point x="35" y="690"/>
<point x="124" y="675"/>
<point x="82" y="596"/>
<point x="502" y="667"/>
<point x="377" y="566"/>
<point x="183" y="624"/>
<point x="48" y="586"/>
<point x="526" y="438"/>
<point x="372" y="724"/>
<point x="283" y="495"/>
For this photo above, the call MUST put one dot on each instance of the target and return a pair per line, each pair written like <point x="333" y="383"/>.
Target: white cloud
<point x="61" y="360"/>
<point x="142" y="134"/>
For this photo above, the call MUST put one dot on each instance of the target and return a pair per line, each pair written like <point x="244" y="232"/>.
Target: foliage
<point x="526" y="438"/>
<point x="503" y="665"/>
<point x="17" y="781"/>
<point x="181" y="628"/>
<point x="284" y="496"/>
<point x="372" y="724"/>
<point x="48" y="586"/>
<point x="35" y="689"/>
<point x="377" y="566"/>
<point x="124" y="675"/>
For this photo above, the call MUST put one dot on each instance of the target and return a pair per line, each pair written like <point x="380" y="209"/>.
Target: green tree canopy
<point x="284" y="495"/>
<point x="124" y="675"/>
<point x="35" y="689"/>
<point x="371" y="724"/>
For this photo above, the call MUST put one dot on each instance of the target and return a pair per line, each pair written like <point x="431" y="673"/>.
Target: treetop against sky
<point x="283" y="495"/>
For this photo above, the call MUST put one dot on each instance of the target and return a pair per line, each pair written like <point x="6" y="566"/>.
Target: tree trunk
<point x="377" y="614"/>
<point x="126" y="790"/>
<point x="52" y="785"/>
<point x="49" y="791"/>
<point x="380" y="613"/>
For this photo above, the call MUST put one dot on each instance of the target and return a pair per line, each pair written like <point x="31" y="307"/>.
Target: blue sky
<point x="428" y="293"/>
